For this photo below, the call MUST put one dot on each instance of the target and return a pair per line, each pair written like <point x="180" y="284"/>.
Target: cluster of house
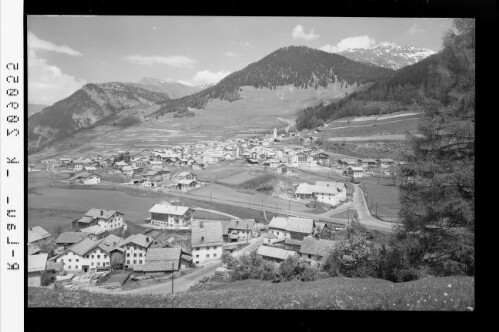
<point x="288" y="236"/>
<point x="358" y="168"/>
<point x="330" y="193"/>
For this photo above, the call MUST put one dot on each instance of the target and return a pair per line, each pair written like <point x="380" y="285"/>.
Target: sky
<point x="67" y="52"/>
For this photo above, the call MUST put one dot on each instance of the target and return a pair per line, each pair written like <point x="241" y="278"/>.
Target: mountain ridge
<point x="388" y="55"/>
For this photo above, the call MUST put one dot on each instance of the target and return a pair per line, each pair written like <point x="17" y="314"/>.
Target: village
<point x="97" y="253"/>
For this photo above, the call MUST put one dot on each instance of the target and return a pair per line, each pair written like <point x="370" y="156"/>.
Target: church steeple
<point x="275" y="132"/>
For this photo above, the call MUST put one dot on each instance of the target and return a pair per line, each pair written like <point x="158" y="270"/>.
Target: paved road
<point x="365" y="216"/>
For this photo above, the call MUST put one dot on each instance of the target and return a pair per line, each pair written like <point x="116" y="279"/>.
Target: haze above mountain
<point x="387" y="55"/>
<point x="173" y="89"/>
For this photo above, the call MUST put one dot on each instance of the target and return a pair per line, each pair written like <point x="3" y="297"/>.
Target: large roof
<point x="184" y="174"/>
<point x="300" y="225"/>
<point x="160" y="259"/>
<point x="242" y="224"/>
<point x="98" y="213"/>
<point x="208" y="235"/>
<point x="339" y="186"/>
<point x="70" y="237"/>
<point x="169" y="209"/>
<point x="293" y="224"/>
<point x="84" y="246"/>
<point x="274" y="252"/>
<point x="313" y="246"/>
<point x="278" y="222"/>
<point x="138" y="239"/>
<point x="37" y="233"/>
<point x="95" y="229"/>
<point x="37" y="262"/>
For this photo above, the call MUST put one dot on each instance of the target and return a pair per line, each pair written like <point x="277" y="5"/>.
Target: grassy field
<point x="59" y="204"/>
<point x="428" y="294"/>
<point x="345" y="214"/>
<point x="385" y="194"/>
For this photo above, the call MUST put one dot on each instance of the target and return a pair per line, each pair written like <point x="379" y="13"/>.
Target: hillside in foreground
<point x="446" y="294"/>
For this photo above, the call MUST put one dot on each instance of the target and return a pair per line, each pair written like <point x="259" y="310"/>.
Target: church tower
<point x="275" y="132"/>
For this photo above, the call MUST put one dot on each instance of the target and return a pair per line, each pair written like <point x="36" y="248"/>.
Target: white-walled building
<point x="135" y="249"/>
<point x="37" y="267"/>
<point x="206" y="241"/>
<point x="356" y="172"/>
<point x="171" y="216"/>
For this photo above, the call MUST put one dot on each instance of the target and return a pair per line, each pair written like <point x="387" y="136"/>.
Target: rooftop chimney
<point x="101" y="212"/>
<point x="202" y="238"/>
<point x="147" y="238"/>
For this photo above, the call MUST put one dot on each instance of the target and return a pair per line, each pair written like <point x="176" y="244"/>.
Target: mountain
<point x="90" y="105"/>
<point x="35" y="108"/>
<point x="394" y="94"/>
<point x="174" y="90"/>
<point x="388" y="55"/>
<point x="298" y="66"/>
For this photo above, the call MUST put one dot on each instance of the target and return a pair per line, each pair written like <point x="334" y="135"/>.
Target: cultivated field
<point x="385" y="194"/>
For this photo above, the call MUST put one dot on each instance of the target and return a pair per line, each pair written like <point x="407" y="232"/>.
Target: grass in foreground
<point x="447" y="294"/>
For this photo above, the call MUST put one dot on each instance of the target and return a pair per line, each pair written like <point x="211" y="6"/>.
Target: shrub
<point x="295" y="268"/>
<point x="355" y="257"/>
<point x="229" y="261"/>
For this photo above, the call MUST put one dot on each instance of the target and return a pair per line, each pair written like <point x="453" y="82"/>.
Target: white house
<point x="84" y="256"/>
<point x="241" y="229"/>
<point x="291" y="227"/>
<point x="107" y="219"/>
<point x="356" y="172"/>
<point x="91" y="179"/>
<point x="274" y="253"/>
<point x="186" y="176"/>
<point x="135" y="249"/>
<point x="330" y="192"/>
<point x="171" y="216"/>
<point x="206" y="241"/>
<point x="301" y="159"/>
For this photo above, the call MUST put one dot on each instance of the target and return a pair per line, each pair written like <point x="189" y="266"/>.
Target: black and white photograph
<point x="250" y="162"/>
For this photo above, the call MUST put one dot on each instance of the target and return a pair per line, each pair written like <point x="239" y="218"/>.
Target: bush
<point x="295" y="268"/>
<point x="229" y="261"/>
<point x="355" y="258"/>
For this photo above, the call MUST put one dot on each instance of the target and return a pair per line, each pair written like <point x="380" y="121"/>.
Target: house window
<point x="127" y="261"/>
<point x="70" y="259"/>
<point x="76" y="267"/>
<point x="309" y="256"/>
<point x="105" y="256"/>
<point x="62" y="260"/>
<point x="214" y="255"/>
<point x="134" y="261"/>
<point x="98" y="256"/>
<point x="86" y="256"/>
<point x="69" y="267"/>
<point x="207" y="255"/>
<point x="140" y="255"/>
<point x="92" y="264"/>
<point x="92" y="256"/>
<point x="197" y="256"/>
<point x="77" y="260"/>
<point x="128" y="255"/>
<point x="98" y="264"/>
<point x="140" y="261"/>
<point x="134" y="255"/>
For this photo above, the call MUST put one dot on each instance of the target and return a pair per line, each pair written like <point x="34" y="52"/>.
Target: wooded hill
<point x="394" y="94"/>
<point x="299" y="66"/>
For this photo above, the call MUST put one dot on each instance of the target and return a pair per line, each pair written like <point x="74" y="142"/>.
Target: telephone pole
<point x="172" y="275"/>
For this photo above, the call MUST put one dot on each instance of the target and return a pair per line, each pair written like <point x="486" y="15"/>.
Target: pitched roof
<point x="331" y="184"/>
<point x="37" y="262"/>
<point x="84" y="246"/>
<point x="242" y="224"/>
<point x="278" y="222"/>
<point x="293" y="242"/>
<point x="169" y="209"/>
<point x="274" y="252"/>
<point x="184" y="174"/>
<point x="138" y="239"/>
<point x="95" y="229"/>
<point x="110" y="242"/>
<point x="304" y="189"/>
<point x="208" y="235"/>
<point x="37" y="233"/>
<point x="98" y="213"/>
<point x="313" y="246"/>
<point x="160" y="259"/>
<point x="70" y="237"/>
<point x="85" y="220"/>
<point x="33" y="249"/>
<point x="356" y="168"/>
<point x="300" y="225"/>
